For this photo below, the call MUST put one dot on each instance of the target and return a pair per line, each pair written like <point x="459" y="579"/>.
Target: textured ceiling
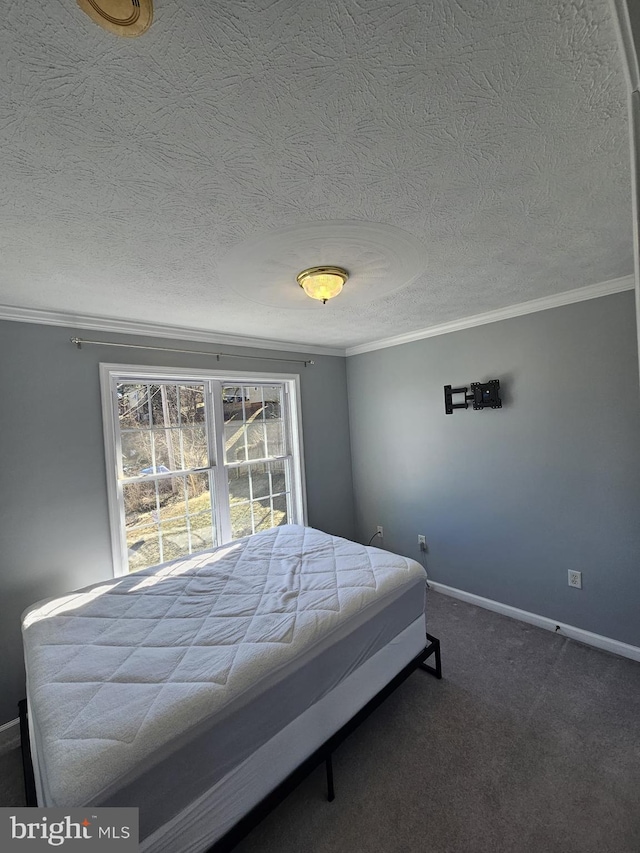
<point x="492" y="132"/>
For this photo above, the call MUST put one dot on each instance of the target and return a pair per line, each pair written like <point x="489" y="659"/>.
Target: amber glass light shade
<point x="322" y="282"/>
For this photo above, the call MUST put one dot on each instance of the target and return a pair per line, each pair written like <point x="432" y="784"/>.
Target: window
<point x="196" y="459"/>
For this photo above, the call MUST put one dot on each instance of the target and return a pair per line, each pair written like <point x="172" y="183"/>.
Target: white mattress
<point x="207" y="818"/>
<point x="127" y="679"/>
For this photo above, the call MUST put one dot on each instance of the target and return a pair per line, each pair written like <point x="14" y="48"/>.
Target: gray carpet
<point x="11" y="785"/>
<point x="530" y="743"/>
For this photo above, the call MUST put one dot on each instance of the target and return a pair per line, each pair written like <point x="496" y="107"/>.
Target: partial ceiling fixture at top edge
<point x="128" y="18"/>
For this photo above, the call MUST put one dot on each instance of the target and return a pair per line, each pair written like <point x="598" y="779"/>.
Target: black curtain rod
<point x="79" y="341"/>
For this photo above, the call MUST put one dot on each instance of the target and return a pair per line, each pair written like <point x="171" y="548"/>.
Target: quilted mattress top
<point x="120" y="668"/>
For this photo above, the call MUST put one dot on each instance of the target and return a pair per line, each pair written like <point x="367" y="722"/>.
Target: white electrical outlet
<point x="575" y="579"/>
<point x="381" y="531"/>
<point x="422" y="542"/>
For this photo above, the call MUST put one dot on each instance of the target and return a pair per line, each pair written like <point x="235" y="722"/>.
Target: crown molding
<point x="155" y="330"/>
<point x="181" y="333"/>
<point x="580" y="294"/>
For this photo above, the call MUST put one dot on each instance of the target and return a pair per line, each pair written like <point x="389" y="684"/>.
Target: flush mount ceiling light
<point x="122" y="17"/>
<point x="380" y="259"/>
<point x="322" y="282"/>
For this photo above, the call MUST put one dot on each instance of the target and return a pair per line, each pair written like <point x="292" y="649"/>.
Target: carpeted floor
<point x="530" y="743"/>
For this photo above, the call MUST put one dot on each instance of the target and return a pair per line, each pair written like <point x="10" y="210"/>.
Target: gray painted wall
<point x="54" y="526"/>
<point x="509" y="500"/>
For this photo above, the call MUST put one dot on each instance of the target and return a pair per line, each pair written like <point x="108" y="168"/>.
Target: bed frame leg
<point x="433" y="649"/>
<point x="331" y="794"/>
<point x="25" y="748"/>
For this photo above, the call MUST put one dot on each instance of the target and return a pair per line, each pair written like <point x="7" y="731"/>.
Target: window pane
<point x="147" y="502"/>
<point x="255" y="437"/>
<point x="178" y="449"/>
<point x="176" y="405"/>
<point x="272" y="395"/>
<point x="257" y="497"/>
<point x="160" y="451"/>
<point x="174" y="544"/>
<point x="172" y="498"/>
<point x="275" y="438"/>
<point x="165" y="409"/>
<point x="133" y="406"/>
<point x="274" y="421"/>
<point x="136" y="452"/>
<point x="167" y="453"/>
<point x="233" y="399"/>
<point x="262" y="519"/>
<point x="239" y="484"/>
<point x="201" y="532"/>
<point x="191" y="399"/>
<point x="187" y="524"/>
<point x="258" y="480"/>
<point x="198" y="494"/>
<point x="143" y="547"/>
<point x="241" y="523"/>
<point x="167" y="518"/>
<point x="234" y="434"/>
<point x="159" y="404"/>
<point x="195" y="452"/>
<point x="234" y="446"/>
<point x="281" y="510"/>
<point x="254" y="426"/>
<point x="278" y="478"/>
<point x="268" y="514"/>
<point x="140" y="501"/>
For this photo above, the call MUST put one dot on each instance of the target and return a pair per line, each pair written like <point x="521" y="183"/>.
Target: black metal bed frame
<point x="322" y="755"/>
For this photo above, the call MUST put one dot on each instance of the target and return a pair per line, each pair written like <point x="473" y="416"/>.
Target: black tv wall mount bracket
<point x="485" y="395"/>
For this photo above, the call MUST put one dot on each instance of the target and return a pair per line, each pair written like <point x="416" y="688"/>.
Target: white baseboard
<point x="9" y="735"/>
<point x="597" y="640"/>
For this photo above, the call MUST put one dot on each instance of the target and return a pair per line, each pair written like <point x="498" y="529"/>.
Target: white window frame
<point x="110" y="373"/>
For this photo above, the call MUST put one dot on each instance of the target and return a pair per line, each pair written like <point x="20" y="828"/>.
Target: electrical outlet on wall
<point x="575" y="579"/>
<point x="422" y="542"/>
<point x="380" y="531"/>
